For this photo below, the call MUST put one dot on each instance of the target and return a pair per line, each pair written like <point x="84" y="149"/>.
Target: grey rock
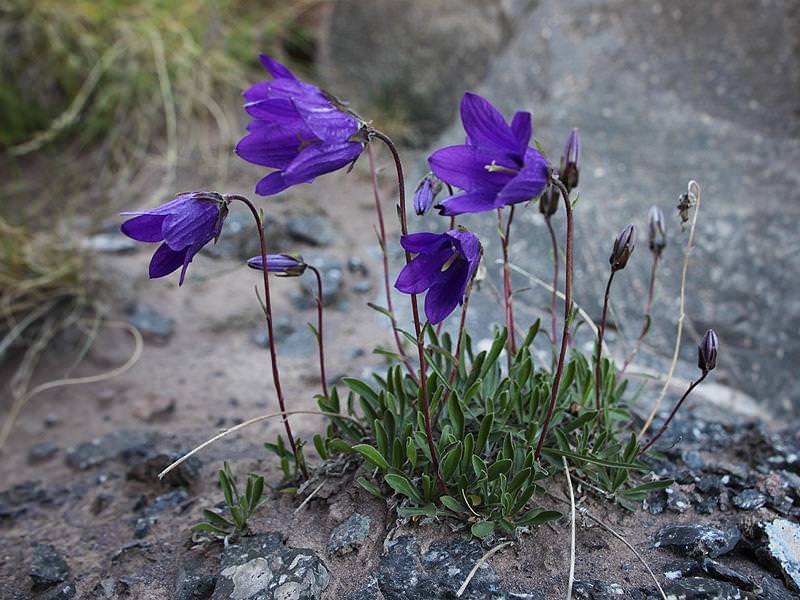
<point x="771" y="589"/>
<point x="153" y="325"/>
<point x="311" y="229"/>
<point x="677" y="501"/>
<point x="700" y="588"/>
<point x="362" y="287"/>
<point x="48" y="567"/>
<point x="709" y="484"/>
<point x="64" y="591"/>
<point x="15" y="501"/>
<point x="109" y="243"/>
<point x="693" y="459"/>
<point x="332" y="275"/>
<point x="144" y="464"/>
<point x="749" y="500"/>
<point x="239" y="238"/>
<point x="357" y="266"/>
<point x="419" y="66"/>
<point x="677" y="569"/>
<point x="597" y="590"/>
<point x="370" y="591"/>
<point x="782" y="550"/>
<point x="722" y="572"/>
<point x="293" y="341"/>
<point x="698" y="541"/>
<point x="192" y="586"/>
<point x="118" y="444"/>
<point x="262" y="568"/>
<point x="349" y="535"/>
<point x="42" y="451"/>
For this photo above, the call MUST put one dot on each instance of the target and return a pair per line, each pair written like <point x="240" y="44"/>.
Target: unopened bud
<point x="426" y="193"/>
<point x="282" y="264"/>
<point x="623" y="248"/>
<point x="658" y="231"/>
<point x="568" y="171"/>
<point x="707" y="352"/>
<point x="548" y="203"/>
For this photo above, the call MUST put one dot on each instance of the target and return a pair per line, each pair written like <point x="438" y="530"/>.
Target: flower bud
<point x="623" y="248"/>
<point x="658" y="233"/>
<point x="707" y="352"/>
<point x="548" y="203"/>
<point x="426" y="193"/>
<point x="568" y="171"/>
<point x="282" y="264"/>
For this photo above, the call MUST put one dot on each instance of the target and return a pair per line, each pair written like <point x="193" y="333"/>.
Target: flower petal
<point x="195" y="223"/>
<point x="144" y="228"/>
<point x="522" y="127"/>
<point x="166" y="260"/>
<point x="465" y="167"/>
<point x="486" y="127"/>
<point x="272" y="184"/>
<point x="280" y="110"/>
<point x="275" y="68"/>
<point x="326" y="121"/>
<point x="319" y="159"/>
<point x="442" y="298"/>
<point x="423" y="271"/>
<point x="530" y="182"/>
<point x="271" y="146"/>
<point x="468" y="202"/>
<point x="423" y="241"/>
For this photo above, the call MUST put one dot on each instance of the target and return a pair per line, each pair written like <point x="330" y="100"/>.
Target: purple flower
<point x="707" y="351"/>
<point x="184" y="226"/>
<point x="444" y="265"/>
<point x="495" y="167"/>
<point x="426" y="193"/>
<point x="623" y="248"/>
<point x="297" y="129"/>
<point x="283" y="264"/>
<point x="569" y="172"/>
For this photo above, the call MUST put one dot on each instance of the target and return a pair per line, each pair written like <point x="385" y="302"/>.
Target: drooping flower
<point x="657" y="230"/>
<point x="297" y="129"/>
<point x="183" y="226"/>
<point x="623" y="248"/>
<point x="548" y="203"/>
<point x="707" y="351"/>
<point x="495" y="167"/>
<point x="426" y="193"/>
<point x="282" y="264"/>
<point x="568" y="169"/>
<point x="444" y="265"/>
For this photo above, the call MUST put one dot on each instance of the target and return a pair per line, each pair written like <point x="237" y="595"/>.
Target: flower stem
<point x="276" y="378"/>
<point x="461" y="329"/>
<point x="555" y="277"/>
<point x="386" y="283"/>
<point x="320" y="336"/>
<point x="423" y="378"/>
<point x="672" y="414"/>
<point x="601" y="330"/>
<point x="504" y="239"/>
<point x="567" y="313"/>
<point x="647" y="316"/>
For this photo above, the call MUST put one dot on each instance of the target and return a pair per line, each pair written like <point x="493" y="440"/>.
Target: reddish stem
<point x="567" y="312"/>
<point x="276" y="379"/>
<point x="554" y="297"/>
<point x="672" y="414"/>
<point x="320" y="336"/>
<point x="598" y="376"/>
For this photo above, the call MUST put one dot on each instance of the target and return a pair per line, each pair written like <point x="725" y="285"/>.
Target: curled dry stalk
<point x="694" y="193"/>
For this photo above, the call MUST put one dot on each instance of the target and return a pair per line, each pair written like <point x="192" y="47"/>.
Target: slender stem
<point x="461" y="328"/>
<point x="598" y="375"/>
<point x="555" y="277"/>
<point x="320" y="335"/>
<point x="276" y="378"/>
<point x="567" y="312"/>
<point x="647" y="316"/>
<point x="504" y="239"/>
<point x="386" y="282"/>
<point x="672" y="414"/>
<point x="423" y="378"/>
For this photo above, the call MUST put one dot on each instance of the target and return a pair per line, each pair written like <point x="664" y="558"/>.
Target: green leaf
<point x="450" y="461"/>
<point x="429" y="510"/>
<point x="372" y="455"/>
<point x="217" y="520"/>
<point x="227" y="489"/>
<point x="593" y="459"/>
<point x="538" y="516"/>
<point x="402" y="485"/>
<point x="209" y="528"/>
<point x="452" y="504"/>
<point x="483" y="434"/>
<point x="482" y="529"/>
<point x="319" y="444"/>
<point x="497" y="347"/>
<point x="339" y="445"/>
<point x="648" y="487"/>
<point x="411" y="452"/>
<point x="370" y="487"/>
<point x="258" y="492"/>
<point x="456" y="416"/>
<point x="361" y="388"/>
<point x="498" y="467"/>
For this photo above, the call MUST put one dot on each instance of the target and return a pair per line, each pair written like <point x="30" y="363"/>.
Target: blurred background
<point x="110" y="105"/>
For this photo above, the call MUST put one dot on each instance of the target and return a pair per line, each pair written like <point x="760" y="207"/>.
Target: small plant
<point x="240" y="506"/>
<point x="472" y="436"/>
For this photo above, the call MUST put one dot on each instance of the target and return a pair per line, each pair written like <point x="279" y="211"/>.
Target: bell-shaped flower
<point x="623" y="248"/>
<point x="426" y="193"/>
<point x="444" y="265"/>
<point x="297" y="129"/>
<point x="183" y="226"/>
<point x="707" y="351"/>
<point x="495" y="167"/>
<point x="282" y="264"/>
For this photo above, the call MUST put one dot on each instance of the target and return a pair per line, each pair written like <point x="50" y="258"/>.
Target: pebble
<point x="48" y="567"/>
<point x="696" y="541"/>
<point x="349" y="535"/>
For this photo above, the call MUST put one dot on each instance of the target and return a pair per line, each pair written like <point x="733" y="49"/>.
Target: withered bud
<point x="568" y="171"/>
<point x="623" y="248"/>
<point x="548" y="203"/>
<point x="707" y="352"/>
<point x="658" y="231"/>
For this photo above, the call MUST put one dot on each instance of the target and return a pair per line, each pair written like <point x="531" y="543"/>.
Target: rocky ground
<point x="662" y="93"/>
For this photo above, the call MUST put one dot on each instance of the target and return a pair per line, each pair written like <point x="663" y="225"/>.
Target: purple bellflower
<point x="444" y="266"/>
<point x="183" y="226"/>
<point x="282" y="264"/>
<point x="297" y="129"/>
<point x="495" y="167"/>
<point x="426" y="193"/>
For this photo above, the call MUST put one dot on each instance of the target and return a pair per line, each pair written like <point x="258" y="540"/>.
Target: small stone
<point x="709" y="484"/>
<point x="109" y="447"/>
<point x="239" y="237"/>
<point x="677" y="501"/>
<point x="153" y="407"/>
<point x="697" y="541"/>
<point x="100" y="503"/>
<point x="311" y="229"/>
<point x="782" y="549"/>
<point x="597" y="590"/>
<point x="749" y="500"/>
<point x="349" y="535"/>
<point x="357" y="266"/>
<point x="332" y="276"/>
<point x="656" y="502"/>
<point x="700" y="588"/>
<point x="41" y="452"/>
<point x="146" y="467"/>
<point x="153" y="325"/>
<point x="191" y="586"/>
<point x="62" y="592"/>
<point x="676" y="569"/>
<point x="693" y="459"/>
<point x="362" y="287"/>
<point x="370" y="591"/>
<point x="722" y="572"/>
<point x="771" y="589"/>
<point x="48" y="567"/>
<point x="110" y="243"/>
